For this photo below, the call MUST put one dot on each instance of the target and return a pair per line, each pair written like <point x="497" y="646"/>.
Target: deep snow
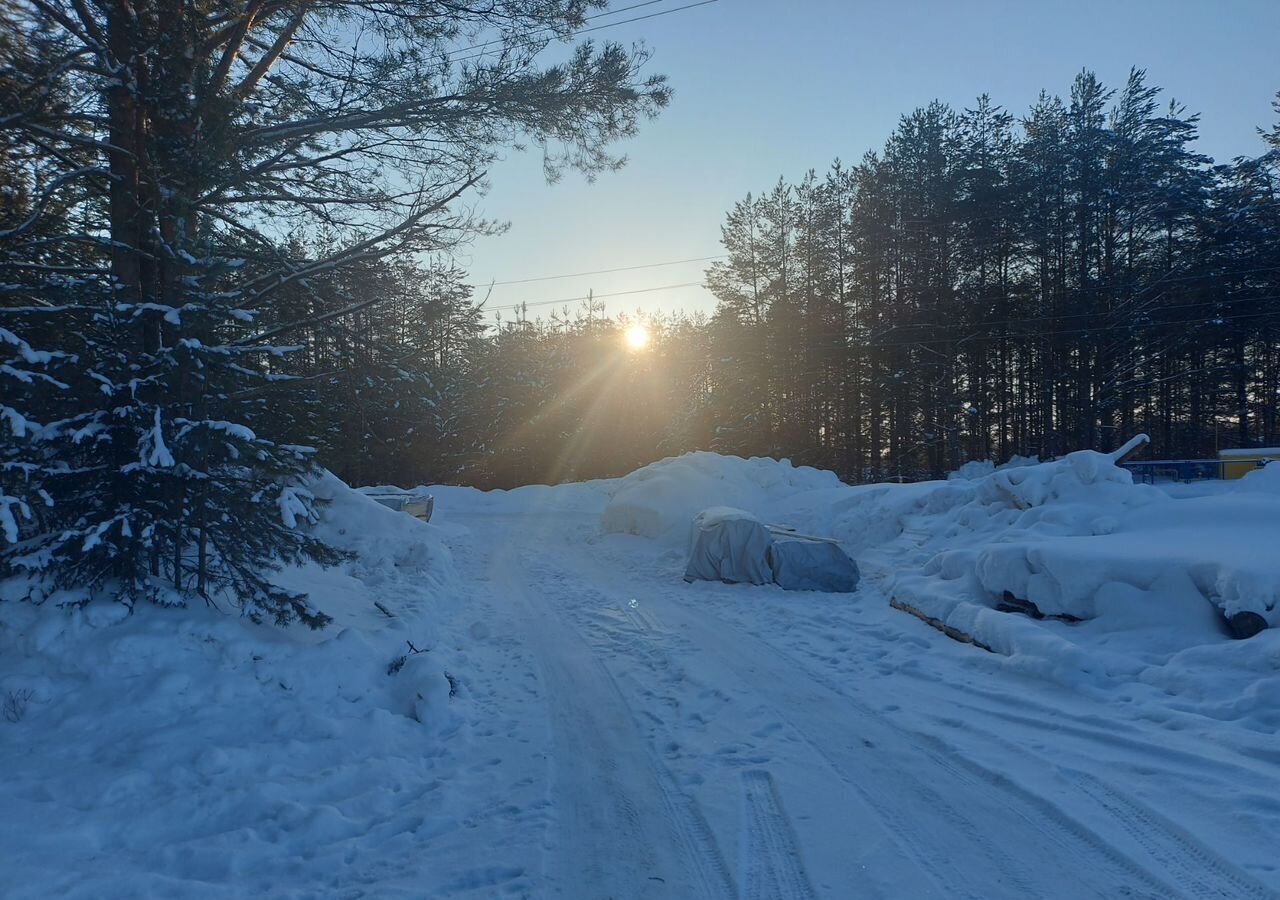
<point x="584" y="724"/>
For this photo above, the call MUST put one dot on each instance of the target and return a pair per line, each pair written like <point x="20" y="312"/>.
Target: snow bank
<point x="230" y="751"/>
<point x="385" y="542"/>
<point x="661" y="500"/>
<point x="1134" y="577"/>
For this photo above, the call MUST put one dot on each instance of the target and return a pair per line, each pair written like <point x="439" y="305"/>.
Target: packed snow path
<point x="730" y="742"/>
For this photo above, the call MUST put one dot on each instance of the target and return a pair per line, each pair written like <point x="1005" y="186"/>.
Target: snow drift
<point x="660" y="500"/>
<point x="230" y="750"/>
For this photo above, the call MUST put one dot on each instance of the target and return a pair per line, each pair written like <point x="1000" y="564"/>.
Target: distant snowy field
<point x="581" y="723"/>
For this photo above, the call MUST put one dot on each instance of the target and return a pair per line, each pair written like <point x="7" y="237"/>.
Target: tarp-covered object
<point x="798" y="564"/>
<point x="731" y="545"/>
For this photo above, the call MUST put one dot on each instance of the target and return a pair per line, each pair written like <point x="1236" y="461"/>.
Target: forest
<point x="985" y="286"/>
<point x="246" y="250"/>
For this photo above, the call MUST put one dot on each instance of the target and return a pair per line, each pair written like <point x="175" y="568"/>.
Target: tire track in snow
<point x="933" y="854"/>
<point x="942" y="839"/>
<point x="628" y="830"/>
<point x="1243" y="766"/>
<point x="1188" y="862"/>
<point x="772" y="869"/>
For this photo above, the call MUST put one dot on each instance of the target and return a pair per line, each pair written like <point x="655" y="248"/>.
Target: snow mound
<point x="274" y="744"/>
<point x="1260" y="481"/>
<point x="383" y="540"/>
<point x="1128" y="576"/>
<point x="660" y="500"/>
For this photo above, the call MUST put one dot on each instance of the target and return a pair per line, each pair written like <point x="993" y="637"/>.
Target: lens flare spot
<point x="637" y="337"/>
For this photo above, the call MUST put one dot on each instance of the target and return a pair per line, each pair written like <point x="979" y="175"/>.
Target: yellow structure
<point x="1239" y="463"/>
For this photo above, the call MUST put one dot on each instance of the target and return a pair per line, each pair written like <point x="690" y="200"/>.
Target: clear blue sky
<point x="766" y="88"/>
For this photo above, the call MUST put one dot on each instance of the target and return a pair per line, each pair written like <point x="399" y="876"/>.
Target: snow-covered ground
<point x="584" y="724"/>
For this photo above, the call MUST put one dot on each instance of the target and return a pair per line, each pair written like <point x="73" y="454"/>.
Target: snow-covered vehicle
<point x="733" y="546"/>
<point x="420" y="506"/>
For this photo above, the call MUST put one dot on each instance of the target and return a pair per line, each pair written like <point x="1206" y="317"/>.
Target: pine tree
<point x="177" y="162"/>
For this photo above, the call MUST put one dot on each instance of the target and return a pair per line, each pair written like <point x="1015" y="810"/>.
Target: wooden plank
<point x="791" y="532"/>
<point x="954" y="633"/>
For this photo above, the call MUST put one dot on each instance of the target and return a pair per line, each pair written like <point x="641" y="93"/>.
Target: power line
<point x="612" y="12"/>
<point x="673" y="262"/>
<point x="649" y="290"/>
<point x="665" y="12"/>
<point x="1142" y="310"/>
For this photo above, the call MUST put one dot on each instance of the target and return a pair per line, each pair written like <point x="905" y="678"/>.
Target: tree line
<point x="982" y="287"/>
<point x="986" y="286"/>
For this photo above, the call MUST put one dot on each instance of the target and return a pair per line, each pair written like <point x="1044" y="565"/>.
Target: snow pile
<point x="1260" y="481"/>
<point x="192" y="753"/>
<point x="660" y="500"/>
<point x="981" y="468"/>
<point x="1134" y="576"/>
<point x="385" y="542"/>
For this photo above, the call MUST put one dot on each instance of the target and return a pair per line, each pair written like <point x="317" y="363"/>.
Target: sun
<point x="637" y="337"/>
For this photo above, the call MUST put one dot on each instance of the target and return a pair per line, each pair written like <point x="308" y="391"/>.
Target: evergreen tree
<point x="176" y="163"/>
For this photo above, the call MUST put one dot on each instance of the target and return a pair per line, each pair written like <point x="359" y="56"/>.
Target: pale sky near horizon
<point x="765" y="88"/>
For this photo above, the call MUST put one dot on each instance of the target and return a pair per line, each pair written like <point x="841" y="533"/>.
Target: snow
<point x="154" y="451"/>
<point x="1249" y="452"/>
<point x="295" y="505"/>
<point x="245" y="760"/>
<point x="8" y="521"/>
<point x="660" y="500"/>
<point x="525" y="699"/>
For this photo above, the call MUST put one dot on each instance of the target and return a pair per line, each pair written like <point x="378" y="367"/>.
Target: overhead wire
<point x="673" y="262"/>
<point x="581" y="31"/>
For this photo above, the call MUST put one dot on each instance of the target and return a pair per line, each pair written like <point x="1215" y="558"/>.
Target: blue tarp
<point x="804" y="565"/>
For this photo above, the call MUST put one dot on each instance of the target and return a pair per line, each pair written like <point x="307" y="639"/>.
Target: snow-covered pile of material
<point x="191" y="753"/>
<point x="660" y="500"/>
<point x="1135" y="576"/>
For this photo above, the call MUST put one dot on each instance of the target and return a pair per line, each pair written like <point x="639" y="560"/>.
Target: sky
<point x="767" y="89"/>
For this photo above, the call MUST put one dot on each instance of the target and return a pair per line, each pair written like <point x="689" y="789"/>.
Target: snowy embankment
<point x="1115" y="581"/>
<point x="192" y="753"/>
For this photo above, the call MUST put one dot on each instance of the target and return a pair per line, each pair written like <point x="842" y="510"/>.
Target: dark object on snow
<point x="1010" y="603"/>
<point x="802" y="564"/>
<point x="954" y="633"/>
<point x="1245" y="625"/>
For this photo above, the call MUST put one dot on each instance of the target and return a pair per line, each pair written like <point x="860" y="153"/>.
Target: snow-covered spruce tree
<point x="160" y="154"/>
<point x="26" y="374"/>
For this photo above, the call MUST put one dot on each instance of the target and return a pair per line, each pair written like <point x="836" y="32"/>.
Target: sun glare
<point x="637" y="337"/>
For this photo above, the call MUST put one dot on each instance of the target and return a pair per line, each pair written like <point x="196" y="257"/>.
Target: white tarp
<point x="731" y="545"/>
<point x="800" y="564"/>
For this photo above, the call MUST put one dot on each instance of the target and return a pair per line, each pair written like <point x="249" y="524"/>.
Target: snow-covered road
<point x="661" y="739"/>
<point x="555" y="713"/>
